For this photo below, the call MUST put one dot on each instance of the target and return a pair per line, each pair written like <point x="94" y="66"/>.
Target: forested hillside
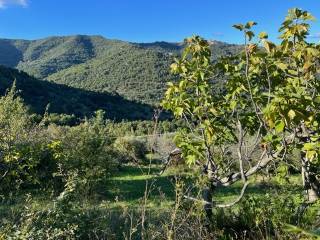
<point x="132" y="70"/>
<point x="38" y="94"/>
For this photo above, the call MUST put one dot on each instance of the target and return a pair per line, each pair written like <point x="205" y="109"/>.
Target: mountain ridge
<point x="136" y="71"/>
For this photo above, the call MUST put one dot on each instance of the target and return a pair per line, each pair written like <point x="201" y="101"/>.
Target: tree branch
<point x="221" y="205"/>
<point x="4" y="175"/>
<point x="265" y="160"/>
<point x="237" y="200"/>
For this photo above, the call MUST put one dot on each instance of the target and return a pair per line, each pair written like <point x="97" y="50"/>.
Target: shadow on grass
<point x="129" y="185"/>
<point x="130" y="190"/>
<point x="133" y="171"/>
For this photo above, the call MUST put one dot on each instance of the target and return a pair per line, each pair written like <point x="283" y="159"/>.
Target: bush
<point x="131" y="149"/>
<point x="30" y="153"/>
<point x="61" y="220"/>
<point x="86" y="148"/>
<point x="266" y="217"/>
<point x="23" y="145"/>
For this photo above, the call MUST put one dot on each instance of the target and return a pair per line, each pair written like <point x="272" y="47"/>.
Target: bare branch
<point x="220" y="205"/>
<point x="265" y="160"/>
<point x="237" y="200"/>
<point x="4" y="175"/>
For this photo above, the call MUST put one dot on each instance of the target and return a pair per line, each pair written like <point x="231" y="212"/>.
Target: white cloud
<point x="6" y="3"/>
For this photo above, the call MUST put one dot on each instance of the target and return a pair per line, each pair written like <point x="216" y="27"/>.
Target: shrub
<point x="86" y="148"/>
<point x="22" y="144"/>
<point x="132" y="149"/>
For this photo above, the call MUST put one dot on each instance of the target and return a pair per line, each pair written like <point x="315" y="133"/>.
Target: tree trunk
<point x="207" y="193"/>
<point x="310" y="183"/>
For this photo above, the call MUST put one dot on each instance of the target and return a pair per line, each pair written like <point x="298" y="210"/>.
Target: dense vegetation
<point x="134" y="71"/>
<point x="67" y="104"/>
<point x="247" y="131"/>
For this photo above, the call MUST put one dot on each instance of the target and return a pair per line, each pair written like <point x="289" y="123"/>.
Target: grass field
<point x="127" y="187"/>
<point x="121" y="197"/>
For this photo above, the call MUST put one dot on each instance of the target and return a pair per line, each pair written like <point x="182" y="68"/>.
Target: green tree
<point x="283" y="84"/>
<point x="266" y="107"/>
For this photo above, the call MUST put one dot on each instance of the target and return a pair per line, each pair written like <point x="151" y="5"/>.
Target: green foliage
<point x="63" y="219"/>
<point x="61" y="119"/>
<point x="135" y="71"/>
<point x="271" y="91"/>
<point x="86" y="148"/>
<point x="193" y="99"/>
<point x="64" y="102"/>
<point x="32" y="153"/>
<point x="282" y="80"/>
<point x="260" y="216"/>
<point x="131" y="149"/>
<point x="140" y="128"/>
<point x="21" y="143"/>
<point x="283" y="84"/>
<point x="266" y="216"/>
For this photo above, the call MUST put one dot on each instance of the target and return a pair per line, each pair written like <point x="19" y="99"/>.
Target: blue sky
<point x="146" y="20"/>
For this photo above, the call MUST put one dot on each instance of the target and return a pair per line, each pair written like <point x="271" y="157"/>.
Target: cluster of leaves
<point x="193" y="99"/>
<point x="267" y="216"/>
<point x="283" y="84"/>
<point x="18" y="159"/>
<point x="87" y="148"/>
<point x="282" y="79"/>
<point x="271" y="91"/>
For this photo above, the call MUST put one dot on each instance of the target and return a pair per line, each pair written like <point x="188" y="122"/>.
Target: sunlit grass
<point x="126" y="189"/>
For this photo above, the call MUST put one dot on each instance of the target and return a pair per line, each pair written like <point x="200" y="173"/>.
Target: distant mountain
<point x="135" y="71"/>
<point x="71" y="101"/>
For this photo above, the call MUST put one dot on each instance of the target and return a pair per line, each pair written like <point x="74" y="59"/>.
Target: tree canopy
<point x="266" y="108"/>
